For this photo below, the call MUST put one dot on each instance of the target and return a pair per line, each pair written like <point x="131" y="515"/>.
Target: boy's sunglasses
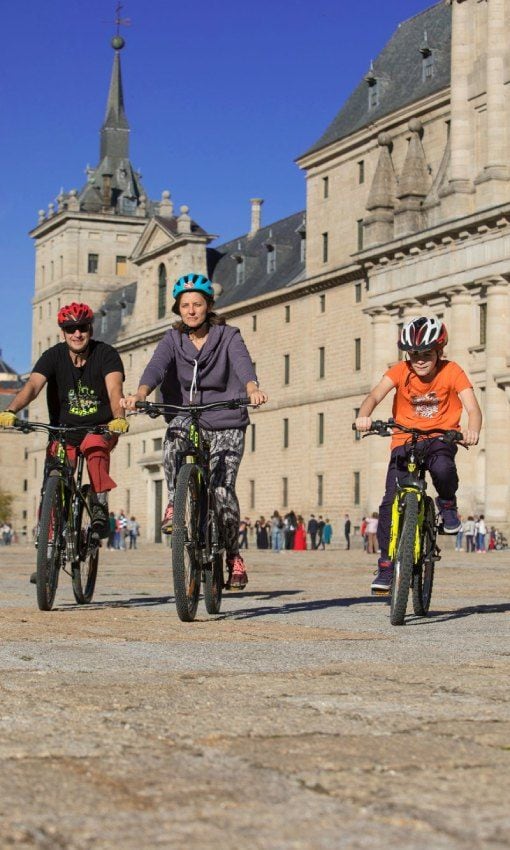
<point x="83" y="328"/>
<point x="425" y="353"/>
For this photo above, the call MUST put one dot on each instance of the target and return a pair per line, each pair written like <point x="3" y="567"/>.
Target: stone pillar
<point x="378" y="225"/>
<point x="456" y="193"/>
<point x="384" y="352"/>
<point x="459" y="326"/>
<point x="497" y="444"/>
<point x="491" y="188"/>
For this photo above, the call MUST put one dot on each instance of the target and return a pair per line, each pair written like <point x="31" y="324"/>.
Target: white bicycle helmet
<point x="423" y="333"/>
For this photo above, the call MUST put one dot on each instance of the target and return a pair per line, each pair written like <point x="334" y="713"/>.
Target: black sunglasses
<point x="83" y="328"/>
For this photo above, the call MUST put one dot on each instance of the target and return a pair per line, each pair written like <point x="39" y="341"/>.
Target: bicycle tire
<point x="404" y="561"/>
<point x="186" y="566"/>
<point x="50" y="541"/>
<point x="423" y="579"/>
<point x="84" y="568"/>
<point x="213" y="587"/>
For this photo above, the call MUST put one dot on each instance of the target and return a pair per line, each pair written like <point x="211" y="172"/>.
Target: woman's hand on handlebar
<point x="129" y="401"/>
<point x="255" y="395"/>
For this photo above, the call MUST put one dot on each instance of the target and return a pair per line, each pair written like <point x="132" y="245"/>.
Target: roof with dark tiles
<point x="114" y="311"/>
<point x="398" y="68"/>
<point x="284" y="237"/>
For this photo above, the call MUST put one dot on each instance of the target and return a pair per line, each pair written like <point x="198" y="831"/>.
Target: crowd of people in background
<point x="286" y="532"/>
<point x="123" y="531"/>
<point x="474" y="536"/>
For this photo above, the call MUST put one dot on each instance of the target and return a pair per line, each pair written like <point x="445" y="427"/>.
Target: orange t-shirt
<point x="427" y="404"/>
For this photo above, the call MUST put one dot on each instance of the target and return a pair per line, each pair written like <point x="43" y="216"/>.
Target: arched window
<point x="161" y="291"/>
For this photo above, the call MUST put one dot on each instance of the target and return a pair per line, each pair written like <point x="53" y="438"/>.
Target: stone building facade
<point x="407" y="211"/>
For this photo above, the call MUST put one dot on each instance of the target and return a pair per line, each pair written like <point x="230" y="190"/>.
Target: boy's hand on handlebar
<point x="7" y="419"/>
<point x="470" y="438"/>
<point x="363" y="423"/>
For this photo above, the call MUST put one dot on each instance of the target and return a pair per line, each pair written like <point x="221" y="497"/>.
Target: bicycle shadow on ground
<point x="151" y="601"/>
<point x="469" y="611"/>
<point x="301" y="607"/>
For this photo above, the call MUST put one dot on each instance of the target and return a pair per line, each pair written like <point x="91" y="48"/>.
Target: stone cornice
<point x="60" y="218"/>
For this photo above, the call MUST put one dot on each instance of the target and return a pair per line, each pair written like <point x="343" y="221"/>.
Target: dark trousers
<point x="348" y="540"/>
<point x="439" y="462"/>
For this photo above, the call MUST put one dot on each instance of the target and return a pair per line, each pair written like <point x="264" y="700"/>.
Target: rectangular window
<point x="401" y="354"/>
<point x="128" y="454"/>
<point x="40" y="311"/>
<point x="361" y="171"/>
<point x="320" y="429"/>
<point x="121" y="266"/>
<point x="359" y="225"/>
<point x="428" y="67"/>
<point x="128" y="502"/>
<point x="322" y="362"/>
<point x="271" y="260"/>
<point x="483" y="324"/>
<point x="35" y="467"/>
<point x="357" y="435"/>
<point x="52" y="269"/>
<point x="373" y="95"/>
<point x="324" y="247"/>
<point x="357" y="354"/>
<point x="93" y="263"/>
<point x="302" y="250"/>
<point x="253" y="432"/>
<point x="25" y="485"/>
<point x="325" y="187"/>
<point x="252" y="494"/>
<point x="285" y="433"/>
<point x="285" y="492"/>
<point x="357" y="292"/>
<point x="144" y="447"/>
<point x="286" y="369"/>
<point x="157" y="444"/>
<point x="322" y="303"/>
<point x="254" y="323"/>
<point x="320" y="490"/>
<point x="357" y="495"/>
<point x="240" y="273"/>
<point x="287" y="314"/>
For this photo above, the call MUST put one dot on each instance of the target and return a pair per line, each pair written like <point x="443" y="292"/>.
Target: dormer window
<point x="271" y="258"/>
<point x="104" y="321"/>
<point x="301" y="230"/>
<point x="427" y="58"/>
<point x="373" y="88"/>
<point x="162" y="288"/>
<point x="240" y="269"/>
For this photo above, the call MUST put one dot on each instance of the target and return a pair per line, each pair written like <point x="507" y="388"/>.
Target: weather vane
<point x="117" y="40"/>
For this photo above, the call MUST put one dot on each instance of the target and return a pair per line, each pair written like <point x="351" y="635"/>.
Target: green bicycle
<point x="415" y="524"/>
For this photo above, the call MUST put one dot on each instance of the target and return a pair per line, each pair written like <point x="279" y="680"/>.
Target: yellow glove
<point x="118" y="426"/>
<point x="7" y="419"/>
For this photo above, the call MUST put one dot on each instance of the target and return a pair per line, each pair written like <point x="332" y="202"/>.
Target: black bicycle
<point x="64" y="527"/>
<point x="414" y="523"/>
<point x="198" y="547"/>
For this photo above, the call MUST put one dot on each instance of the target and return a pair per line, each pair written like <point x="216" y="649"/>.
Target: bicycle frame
<point x="417" y="484"/>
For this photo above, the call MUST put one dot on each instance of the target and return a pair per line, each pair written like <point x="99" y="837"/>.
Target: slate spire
<point x="115" y="129"/>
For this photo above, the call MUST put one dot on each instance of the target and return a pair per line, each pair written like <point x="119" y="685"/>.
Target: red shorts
<point x="96" y="449"/>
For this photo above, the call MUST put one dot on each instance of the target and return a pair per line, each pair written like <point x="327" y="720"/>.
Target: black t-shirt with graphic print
<point x="78" y="395"/>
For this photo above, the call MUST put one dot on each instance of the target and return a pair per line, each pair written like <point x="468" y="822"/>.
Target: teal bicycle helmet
<point x="193" y="283"/>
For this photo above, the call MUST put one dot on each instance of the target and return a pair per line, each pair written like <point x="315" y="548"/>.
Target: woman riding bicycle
<point x="202" y="360"/>
<point x="429" y="392"/>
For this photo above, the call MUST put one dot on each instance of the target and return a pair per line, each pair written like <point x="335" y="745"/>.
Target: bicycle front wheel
<point x="423" y="579"/>
<point x="186" y="565"/>
<point x="404" y="561"/>
<point x="51" y="543"/>
<point x="84" y="567"/>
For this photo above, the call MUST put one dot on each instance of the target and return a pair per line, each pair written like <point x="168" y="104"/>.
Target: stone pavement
<point x="297" y="718"/>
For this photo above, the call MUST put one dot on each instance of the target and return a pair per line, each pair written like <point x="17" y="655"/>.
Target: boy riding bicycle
<point x="429" y="392"/>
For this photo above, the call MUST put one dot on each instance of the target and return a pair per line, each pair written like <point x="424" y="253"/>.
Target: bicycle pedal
<point x="381" y="592"/>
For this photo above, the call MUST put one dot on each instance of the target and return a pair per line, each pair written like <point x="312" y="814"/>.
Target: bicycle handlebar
<point x="157" y="408"/>
<point x="26" y="427"/>
<point x="383" y="428"/>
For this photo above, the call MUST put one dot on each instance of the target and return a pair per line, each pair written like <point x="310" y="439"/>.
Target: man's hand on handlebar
<point x="363" y="423"/>
<point x="470" y="438"/>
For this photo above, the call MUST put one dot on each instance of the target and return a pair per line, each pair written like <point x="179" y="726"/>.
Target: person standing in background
<point x="347" y="531"/>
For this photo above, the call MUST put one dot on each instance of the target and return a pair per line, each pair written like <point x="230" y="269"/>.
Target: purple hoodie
<point x="222" y="368"/>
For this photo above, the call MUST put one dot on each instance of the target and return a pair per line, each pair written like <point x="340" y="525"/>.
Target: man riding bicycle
<point x="84" y="387"/>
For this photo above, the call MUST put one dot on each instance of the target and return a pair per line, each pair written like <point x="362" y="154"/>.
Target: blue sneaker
<point x="382" y="581"/>
<point x="448" y="512"/>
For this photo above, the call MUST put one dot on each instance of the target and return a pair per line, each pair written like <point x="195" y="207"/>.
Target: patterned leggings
<point x="226" y="451"/>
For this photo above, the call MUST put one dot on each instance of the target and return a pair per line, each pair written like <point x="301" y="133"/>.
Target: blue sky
<point x="221" y="98"/>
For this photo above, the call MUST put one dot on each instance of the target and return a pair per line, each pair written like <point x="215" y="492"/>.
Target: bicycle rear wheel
<point x="186" y="564"/>
<point x="50" y="543"/>
<point x="84" y="568"/>
<point x="423" y="579"/>
<point x="404" y="561"/>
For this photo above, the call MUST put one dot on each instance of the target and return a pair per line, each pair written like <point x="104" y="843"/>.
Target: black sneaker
<point x="100" y="520"/>
<point x="382" y="581"/>
<point x="449" y="515"/>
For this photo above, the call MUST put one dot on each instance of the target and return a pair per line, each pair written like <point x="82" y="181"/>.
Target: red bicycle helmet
<point x="74" y="314"/>
<point x="423" y="334"/>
